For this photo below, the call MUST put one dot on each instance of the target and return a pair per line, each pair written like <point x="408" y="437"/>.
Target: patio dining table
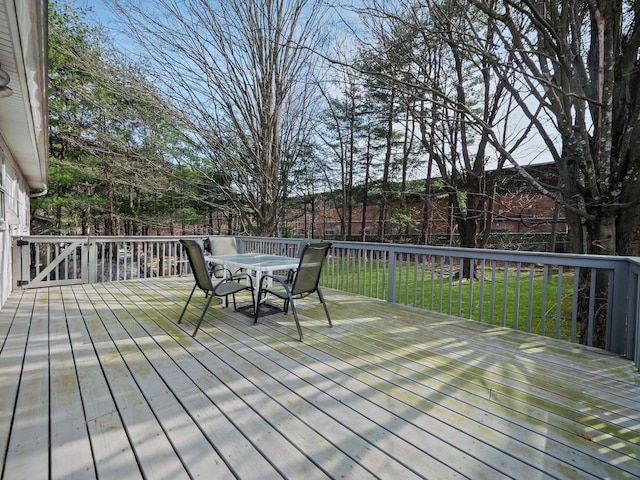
<point x="255" y="264"/>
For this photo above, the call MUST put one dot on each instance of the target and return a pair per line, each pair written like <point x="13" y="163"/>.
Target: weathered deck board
<point x="100" y="381"/>
<point x="224" y="434"/>
<point x="14" y="325"/>
<point x="112" y="454"/>
<point x="70" y="446"/>
<point x="28" y="449"/>
<point x="273" y="402"/>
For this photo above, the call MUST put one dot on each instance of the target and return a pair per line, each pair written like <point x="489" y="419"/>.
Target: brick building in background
<point x="522" y="217"/>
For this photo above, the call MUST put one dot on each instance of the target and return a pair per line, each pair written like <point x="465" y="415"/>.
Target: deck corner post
<point x="632" y="303"/>
<point x="620" y="318"/>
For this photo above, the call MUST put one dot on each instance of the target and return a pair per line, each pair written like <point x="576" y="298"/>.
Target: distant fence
<point x="556" y="295"/>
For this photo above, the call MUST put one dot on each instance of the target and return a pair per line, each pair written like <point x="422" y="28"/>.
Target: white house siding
<point x="14" y="216"/>
<point x="24" y="128"/>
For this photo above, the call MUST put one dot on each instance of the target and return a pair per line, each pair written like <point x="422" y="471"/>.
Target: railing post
<point x="90" y="251"/>
<point x="21" y="262"/>
<point x="633" y="315"/>
<point x="391" y="282"/>
<point x="634" y="340"/>
<point x="633" y="320"/>
<point x="618" y="312"/>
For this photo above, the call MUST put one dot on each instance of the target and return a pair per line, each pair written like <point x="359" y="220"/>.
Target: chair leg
<point x="295" y="316"/>
<point x="188" y="300"/>
<point x="324" y="304"/>
<point x="202" y="316"/>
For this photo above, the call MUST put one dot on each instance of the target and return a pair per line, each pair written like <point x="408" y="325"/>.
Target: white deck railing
<point x="548" y="294"/>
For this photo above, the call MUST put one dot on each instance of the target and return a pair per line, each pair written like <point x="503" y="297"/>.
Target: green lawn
<point x="431" y="286"/>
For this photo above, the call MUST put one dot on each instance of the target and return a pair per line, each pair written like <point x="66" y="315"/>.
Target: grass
<point x="513" y="297"/>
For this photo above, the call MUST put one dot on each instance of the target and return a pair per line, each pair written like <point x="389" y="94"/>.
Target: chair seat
<point x="229" y="288"/>
<point x="277" y="289"/>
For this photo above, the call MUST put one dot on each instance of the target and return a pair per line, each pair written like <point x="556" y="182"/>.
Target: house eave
<point x="24" y="114"/>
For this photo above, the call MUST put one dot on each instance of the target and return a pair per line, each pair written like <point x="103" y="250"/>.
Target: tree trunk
<point x="426" y="207"/>
<point x="384" y="199"/>
<point x="365" y="194"/>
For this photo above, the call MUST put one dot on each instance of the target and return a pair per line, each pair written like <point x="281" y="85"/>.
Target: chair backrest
<point x="309" y="268"/>
<point x="304" y="242"/>
<point x="223" y="245"/>
<point x="198" y="264"/>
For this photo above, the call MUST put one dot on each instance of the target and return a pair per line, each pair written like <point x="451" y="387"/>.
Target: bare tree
<point x="341" y="133"/>
<point x="579" y="62"/>
<point x="451" y="96"/>
<point x="239" y="72"/>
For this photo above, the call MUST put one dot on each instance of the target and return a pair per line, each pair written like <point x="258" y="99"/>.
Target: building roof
<point x="24" y="114"/>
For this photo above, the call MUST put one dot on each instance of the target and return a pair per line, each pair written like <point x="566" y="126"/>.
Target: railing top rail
<point x="103" y="238"/>
<point x="566" y="259"/>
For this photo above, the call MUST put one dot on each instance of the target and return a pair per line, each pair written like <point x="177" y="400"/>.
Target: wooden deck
<point x="99" y="381"/>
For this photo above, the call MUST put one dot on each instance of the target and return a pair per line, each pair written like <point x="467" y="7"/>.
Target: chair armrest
<point x="240" y="276"/>
<point x="285" y="283"/>
<point x="216" y="269"/>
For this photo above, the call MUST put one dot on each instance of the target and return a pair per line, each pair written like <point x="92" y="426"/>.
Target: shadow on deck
<point x="99" y="381"/>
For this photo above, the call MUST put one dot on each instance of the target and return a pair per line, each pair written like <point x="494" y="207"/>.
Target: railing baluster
<point x="450" y="295"/>
<point x="359" y="274"/>
<point x="432" y="283"/>
<point x="472" y="273"/>
<point x="517" y="296"/>
<point x="574" y="304"/>
<point x="505" y="289"/>
<point x="423" y="267"/>
<point x="543" y="300"/>
<point x="492" y="298"/>
<point x="530" y="300"/>
<point x="441" y="290"/>
<point x="592" y="305"/>
<point x="461" y="274"/>
<point x="481" y="292"/>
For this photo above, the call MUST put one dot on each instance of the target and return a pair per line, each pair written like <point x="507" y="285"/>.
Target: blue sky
<point x="99" y="13"/>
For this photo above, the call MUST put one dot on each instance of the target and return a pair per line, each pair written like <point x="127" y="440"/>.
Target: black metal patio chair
<point x="304" y="282"/>
<point x="303" y="243"/>
<point x="230" y="285"/>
